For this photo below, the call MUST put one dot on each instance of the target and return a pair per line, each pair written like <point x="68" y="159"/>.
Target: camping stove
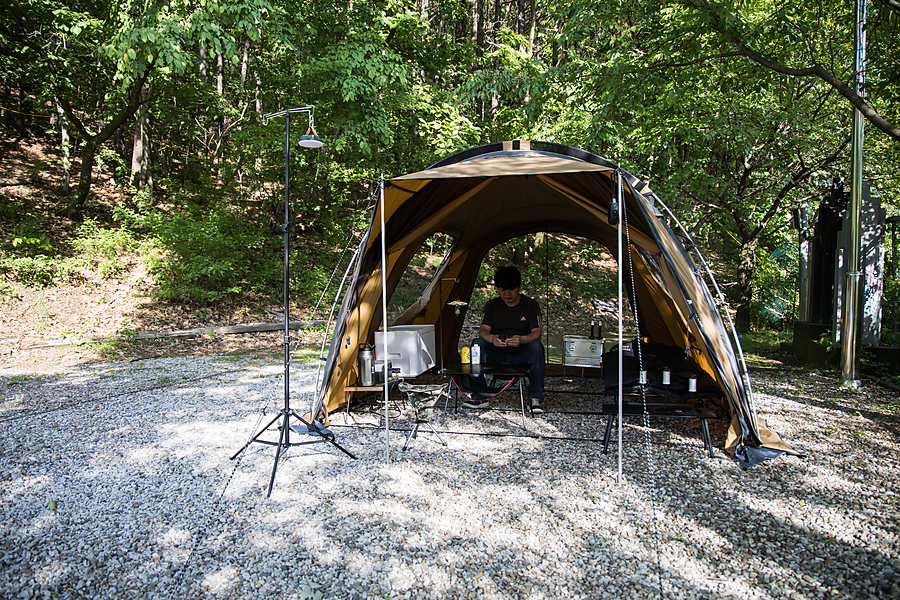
<point x="581" y="351"/>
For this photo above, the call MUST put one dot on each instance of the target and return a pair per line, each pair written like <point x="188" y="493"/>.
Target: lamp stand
<point x="305" y="427"/>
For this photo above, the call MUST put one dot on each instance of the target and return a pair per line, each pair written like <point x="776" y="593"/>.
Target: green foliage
<point x="37" y="271"/>
<point x="28" y="238"/>
<point x="203" y="256"/>
<point x="569" y="274"/>
<point x="775" y="282"/>
<point x="660" y="87"/>
<point x="104" y="249"/>
<point x="32" y="259"/>
<point x="890" y="315"/>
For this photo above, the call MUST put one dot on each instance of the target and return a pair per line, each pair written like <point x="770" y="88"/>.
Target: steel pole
<point x="850" y="313"/>
<point x="620" y="258"/>
<point x="384" y="326"/>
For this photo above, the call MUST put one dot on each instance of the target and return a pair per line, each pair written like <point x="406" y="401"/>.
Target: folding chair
<point x="423" y="398"/>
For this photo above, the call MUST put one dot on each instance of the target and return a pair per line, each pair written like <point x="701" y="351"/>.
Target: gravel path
<point x="116" y="482"/>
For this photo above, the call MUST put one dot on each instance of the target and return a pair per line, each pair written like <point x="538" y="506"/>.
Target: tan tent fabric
<point x="506" y="166"/>
<point x="486" y="195"/>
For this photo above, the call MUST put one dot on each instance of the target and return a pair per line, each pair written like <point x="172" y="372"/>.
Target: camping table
<point x="508" y="370"/>
<point x="368" y="389"/>
<point x="685" y="411"/>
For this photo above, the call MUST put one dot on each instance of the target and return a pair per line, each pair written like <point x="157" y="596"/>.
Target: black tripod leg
<point x="282" y="441"/>
<point x="328" y="437"/>
<point x="255" y="437"/>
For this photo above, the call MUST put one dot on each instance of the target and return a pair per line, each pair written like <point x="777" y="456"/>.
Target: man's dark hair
<point x="507" y="278"/>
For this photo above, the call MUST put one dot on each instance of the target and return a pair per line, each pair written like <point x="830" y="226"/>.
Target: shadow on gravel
<point x="135" y="458"/>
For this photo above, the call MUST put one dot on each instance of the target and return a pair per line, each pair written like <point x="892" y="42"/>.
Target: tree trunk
<point x="220" y="126"/>
<point x="92" y="142"/>
<point x="244" y="63"/>
<point x="478" y="23"/>
<point x="257" y="98"/>
<point x="220" y="74"/>
<point x="532" y="27"/>
<point x="202" y="60"/>
<point x="745" y="268"/>
<point x="64" y="148"/>
<point x="141" y="169"/>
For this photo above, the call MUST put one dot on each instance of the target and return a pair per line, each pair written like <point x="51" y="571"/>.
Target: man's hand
<point x="499" y="342"/>
<point x="513" y="341"/>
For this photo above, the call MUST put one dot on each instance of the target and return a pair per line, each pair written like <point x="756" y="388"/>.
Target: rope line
<point x="183" y="568"/>
<point x="645" y="417"/>
<point x="26" y="114"/>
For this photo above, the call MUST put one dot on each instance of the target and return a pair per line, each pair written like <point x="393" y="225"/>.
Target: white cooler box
<point x="410" y="348"/>
<point x="581" y="351"/>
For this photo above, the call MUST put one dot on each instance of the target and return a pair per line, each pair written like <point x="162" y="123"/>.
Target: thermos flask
<point x="366" y="363"/>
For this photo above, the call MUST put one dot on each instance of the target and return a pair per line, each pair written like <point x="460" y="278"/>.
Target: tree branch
<point x="816" y="70"/>
<point x="825" y="75"/>
<point x="801" y="175"/>
<point x="697" y="60"/>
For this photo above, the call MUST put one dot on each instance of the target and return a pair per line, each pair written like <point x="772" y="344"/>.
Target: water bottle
<point x="476" y="354"/>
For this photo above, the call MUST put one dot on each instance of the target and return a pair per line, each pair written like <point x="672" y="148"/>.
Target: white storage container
<point x="410" y="348"/>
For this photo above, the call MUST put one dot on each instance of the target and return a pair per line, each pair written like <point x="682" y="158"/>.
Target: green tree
<point x="729" y="144"/>
<point x="97" y="57"/>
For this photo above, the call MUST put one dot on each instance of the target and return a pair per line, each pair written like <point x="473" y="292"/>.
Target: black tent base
<point x="284" y="438"/>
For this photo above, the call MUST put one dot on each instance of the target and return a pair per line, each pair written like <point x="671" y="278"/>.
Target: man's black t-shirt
<point x="512" y="320"/>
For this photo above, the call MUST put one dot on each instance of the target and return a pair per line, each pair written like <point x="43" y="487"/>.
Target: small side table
<point x="509" y="370"/>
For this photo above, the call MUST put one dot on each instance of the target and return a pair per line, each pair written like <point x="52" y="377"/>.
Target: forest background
<point x="151" y="163"/>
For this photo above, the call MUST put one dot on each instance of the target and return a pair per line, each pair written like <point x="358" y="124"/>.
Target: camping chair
<point x="423" y="399"/>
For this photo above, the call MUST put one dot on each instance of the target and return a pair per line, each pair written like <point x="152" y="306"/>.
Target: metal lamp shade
<point x="310" y="141"/>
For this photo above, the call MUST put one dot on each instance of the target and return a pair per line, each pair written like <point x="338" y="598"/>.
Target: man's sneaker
<point x="537" y="406"/>
<point x="480" y="404"/>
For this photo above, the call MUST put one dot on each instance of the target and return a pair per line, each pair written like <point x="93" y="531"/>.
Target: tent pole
<point x="621" y="336"/>
<point x="384" y="324"/>
<point x="547" y="280"/>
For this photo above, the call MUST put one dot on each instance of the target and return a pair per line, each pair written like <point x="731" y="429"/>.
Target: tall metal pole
<point x="620" y="258"/>
<point x="850" y="312"/>
<point x="287" y="270"/>
<point x="284" y="416"/>
<point x="384" y="325"/>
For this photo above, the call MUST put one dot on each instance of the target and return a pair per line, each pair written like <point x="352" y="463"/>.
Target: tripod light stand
<point x="311" y="427"/>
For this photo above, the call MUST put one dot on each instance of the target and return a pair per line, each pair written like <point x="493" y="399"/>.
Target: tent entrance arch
<point x="489" y="194"/>
<point x="573" y="279"/>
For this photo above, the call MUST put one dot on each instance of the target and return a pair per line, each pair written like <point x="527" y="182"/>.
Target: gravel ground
<point x="116" y="482"/>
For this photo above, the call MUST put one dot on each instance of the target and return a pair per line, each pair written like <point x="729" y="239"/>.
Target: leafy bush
<point x="775" y="285"/>
<point x="103" y="249"/>
<point x="39" y="270"/>
<point x="29" y="257"/>
<point x="30" y="239"/>
<point x="202" y="255"/>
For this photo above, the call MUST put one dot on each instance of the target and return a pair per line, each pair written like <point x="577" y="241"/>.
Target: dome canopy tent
<point x="489" y="194"/>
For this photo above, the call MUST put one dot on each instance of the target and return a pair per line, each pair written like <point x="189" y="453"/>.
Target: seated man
<point x="511" y="332"/>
